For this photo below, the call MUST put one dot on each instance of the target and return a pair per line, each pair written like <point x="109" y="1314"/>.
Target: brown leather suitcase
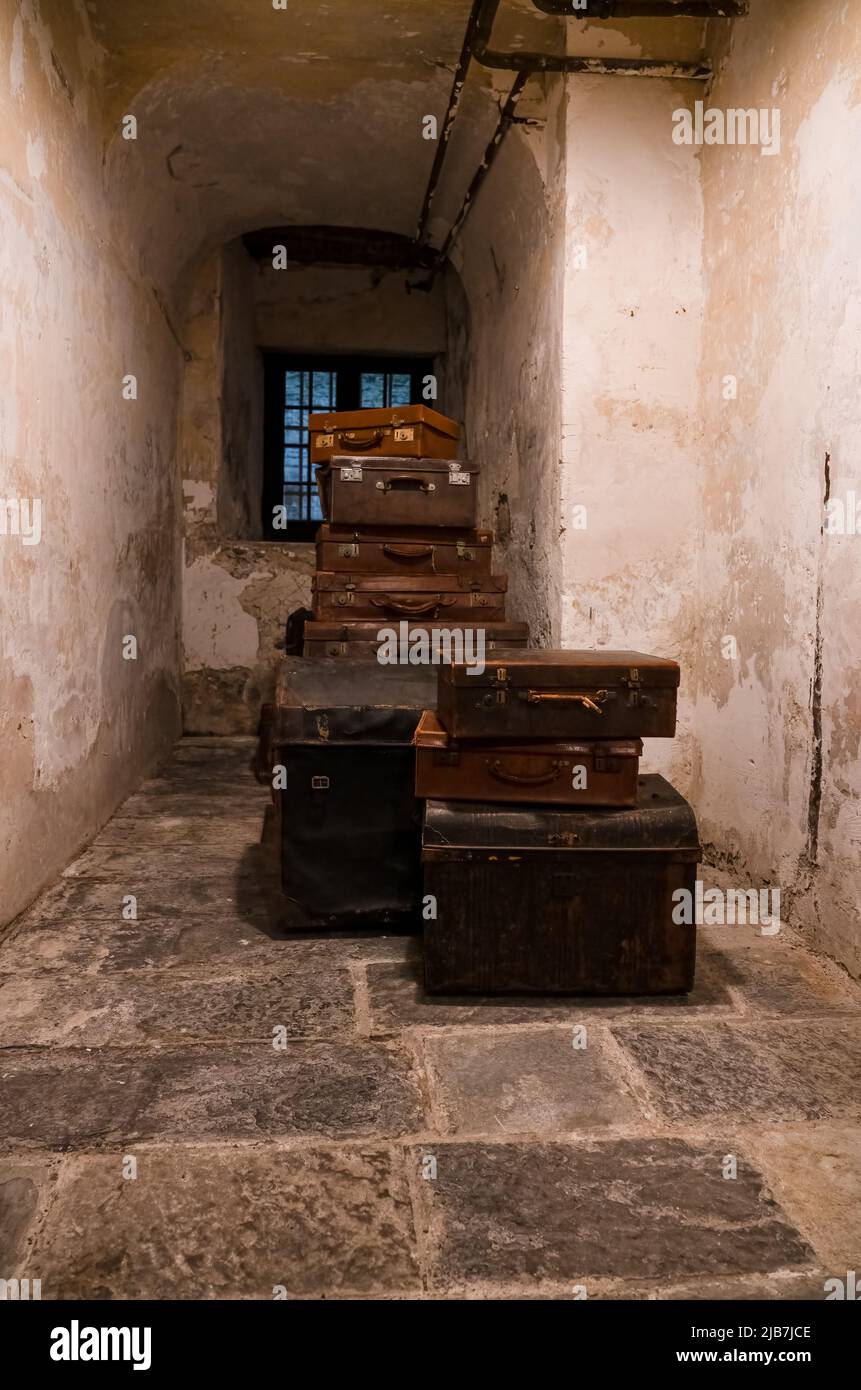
<point x="402" y="431"/>
<point x="541" y="900"/>
<point x="362" y="639"/>
<point x="380" y="550"/>
<point x="423" y="492"/>
<point x="591" y="772"/>
<point x="557" y="694"/>
<point x="448" y="596"/>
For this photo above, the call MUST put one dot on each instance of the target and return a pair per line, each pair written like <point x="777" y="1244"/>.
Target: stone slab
<point x="63" y="1098"/>
<point x="526" y="1082"/>
<point x="398" y="1001"/>
<point x="213" y="1223"/>
<point x="623" y="1208"/>
<point x="804" y="1070"/>
<point x="311" y="999"/>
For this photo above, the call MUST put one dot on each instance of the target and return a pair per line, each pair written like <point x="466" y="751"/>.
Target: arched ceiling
<point x="250" y="116"/>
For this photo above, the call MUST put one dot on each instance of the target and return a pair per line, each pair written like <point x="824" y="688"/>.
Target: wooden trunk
<point x="593" y="772"/>
<point x="395" y="492"/>
<point x="380" y="550"/>
<point x="562" y="695"/>
<point x="403" y="431"/>
<point x="541" y="901"/>
<point x="445" y="596"/>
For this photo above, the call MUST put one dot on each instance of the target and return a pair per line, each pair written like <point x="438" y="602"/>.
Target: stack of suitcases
<point x="400" y="545"/>
<point x="550" y="863"/>
<point x="498" y="802"/>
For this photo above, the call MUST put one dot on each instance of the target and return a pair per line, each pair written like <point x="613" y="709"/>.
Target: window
<point x="295" y="386"/>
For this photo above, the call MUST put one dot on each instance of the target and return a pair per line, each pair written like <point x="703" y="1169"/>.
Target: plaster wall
<point x="79" y="724"/>
<point x="631" y="434"/>
<point x="505" y="347"/>
<point x="777" y="777"/>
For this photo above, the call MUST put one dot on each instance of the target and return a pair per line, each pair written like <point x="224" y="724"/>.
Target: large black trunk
<point x="349" y="820"/>
<point x="535" y="900"/>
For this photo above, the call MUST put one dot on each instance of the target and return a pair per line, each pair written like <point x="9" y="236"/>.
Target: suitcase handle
<point x="408" y="552"/>
<point x="495" y="768"/>
<point x="373" y="439"/>
<point x="545" y="697"/>
<point x="405" y="480"/>
<point x="412" y="605"/>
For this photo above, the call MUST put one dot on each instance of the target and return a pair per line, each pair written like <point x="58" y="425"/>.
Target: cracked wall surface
<point x="777" y="777"/>
<point x="79" y="723"/>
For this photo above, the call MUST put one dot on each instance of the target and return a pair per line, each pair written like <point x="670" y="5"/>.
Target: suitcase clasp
<point x="320" y="784"/>
<point x="463" y="553"/>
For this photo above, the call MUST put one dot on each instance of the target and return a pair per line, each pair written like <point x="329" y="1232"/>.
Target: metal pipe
<point x="645" y="9"/>
<point x="448" y="122"/>
<point x="505" y="119"/>
<point x="559" y="62"/>
<point x="476" y="45"/>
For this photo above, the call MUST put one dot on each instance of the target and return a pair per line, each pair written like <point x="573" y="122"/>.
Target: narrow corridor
<point x="196" y="1105"/>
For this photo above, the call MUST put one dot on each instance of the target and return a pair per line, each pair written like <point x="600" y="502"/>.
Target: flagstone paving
<point x="201" y="1099"/>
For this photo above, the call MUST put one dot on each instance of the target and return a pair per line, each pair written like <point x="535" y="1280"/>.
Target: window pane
<point x="293" y="505"/>
<point x="322" y="390"/>
<point x="400" y="390"/>
<point x="293" y="388"/>
<point x="373" y="390"/>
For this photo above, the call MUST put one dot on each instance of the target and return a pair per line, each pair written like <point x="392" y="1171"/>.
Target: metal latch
<point x="320" y="784"/>
<point x="464" y="553"/>
<point x="634" y="683"/>
<point x="348" y="552"/>
<point x="458" y="476"/>
<point x="351" y="473"/>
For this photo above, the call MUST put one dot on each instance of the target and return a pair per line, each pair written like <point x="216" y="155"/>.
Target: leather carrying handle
<point x="409" y="552"/>
<point x="352" y="437"/>
<point x="566" y="697"/>
<point x="411" y="605"/>
<point x="406" y="480"/>
<point x="496" y="769"/>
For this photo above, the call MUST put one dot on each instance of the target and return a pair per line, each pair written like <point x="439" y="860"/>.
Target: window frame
<point x="349" y="368"/>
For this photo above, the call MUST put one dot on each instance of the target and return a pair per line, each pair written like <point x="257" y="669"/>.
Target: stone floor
<point x="394" y="1147"/>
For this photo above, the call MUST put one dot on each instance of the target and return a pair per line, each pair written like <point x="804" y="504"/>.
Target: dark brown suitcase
<point x="447" y="596"/>
<point x="362" y="639"/>
<point x="402" y="431"/>
<point x="394" y="492"/>
<point x="533" y="900"/>
<point x="593" y="772"/>
<point x="348" y="821"/>
<point x="379" y="550"/>
<point x="562" y="695"/>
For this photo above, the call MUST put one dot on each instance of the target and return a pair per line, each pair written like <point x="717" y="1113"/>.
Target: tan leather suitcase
<point x="562" y="694"/>
<point x="340" y="596"/>
<point x="422" y="492"/>
<point x="401" y="431"/>
<point x="362" y="639"/>
<point x="589" y="772"/>
<point x="382" y="550"/>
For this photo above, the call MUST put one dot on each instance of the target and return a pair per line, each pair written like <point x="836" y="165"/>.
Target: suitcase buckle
<point x="351" y="473"/>
<point x="463" y="553"/>
<point x="348" y="552"/>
